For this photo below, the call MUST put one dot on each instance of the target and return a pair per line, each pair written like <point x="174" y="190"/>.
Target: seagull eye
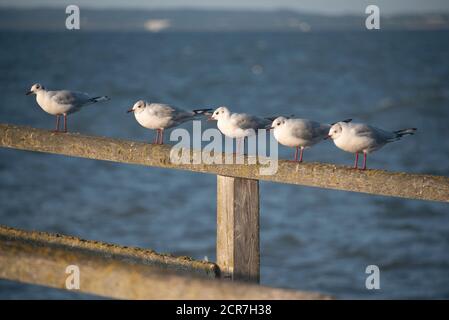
<point x="278" y="124"/>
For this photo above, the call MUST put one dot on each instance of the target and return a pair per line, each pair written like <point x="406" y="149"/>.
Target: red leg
<point x="296" y="153"/>
<point x="161" y="137"/>
<point x="239" y="143"/>
<point x="57" y="123"/>
<point x="65" y="122"/>
<point x="364" y="161"/>
<point x="300" y="154"/>
<point x="356" y="162"/>
<point x="244" y="145"/>
<point x="156" y="139"/>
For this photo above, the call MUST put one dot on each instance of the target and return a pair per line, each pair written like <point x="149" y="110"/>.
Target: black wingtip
<point x="100" y="98"/>
<point x="272" y="118"/>
<point x="345" y="121"/>
<point x="404" y="132"/>
<point x="202" y="111"/>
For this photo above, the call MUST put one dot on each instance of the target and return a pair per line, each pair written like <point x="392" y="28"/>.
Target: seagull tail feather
<point x="201" y="111"/>
<point x="99" y="99"/>
<point x="403" y="132"/>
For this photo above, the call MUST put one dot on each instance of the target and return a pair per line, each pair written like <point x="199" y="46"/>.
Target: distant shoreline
<point x="207" y="20"/>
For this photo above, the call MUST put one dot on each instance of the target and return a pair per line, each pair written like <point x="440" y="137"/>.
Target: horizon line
<point x="219" y="9"/>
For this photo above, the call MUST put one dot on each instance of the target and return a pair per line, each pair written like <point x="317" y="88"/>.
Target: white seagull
<point x="237" y="125"/>
<point x="62" y="102"/>
<point x="158" y="116"/>
<point x="299" y="133"/>
<point x="357" y="138"/>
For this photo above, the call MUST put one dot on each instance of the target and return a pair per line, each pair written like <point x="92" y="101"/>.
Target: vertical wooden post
<point x="238" y="254"/>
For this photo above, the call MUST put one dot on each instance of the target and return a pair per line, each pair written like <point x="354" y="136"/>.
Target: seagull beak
<point x="130" y="110"/>
<point x="28" y="93"/>
<point x="210" y="118"/>
<point x="328" y="137"/>
<point x="269" y="127"/>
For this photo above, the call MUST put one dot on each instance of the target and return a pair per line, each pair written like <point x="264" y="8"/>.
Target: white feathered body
<point x="301" y="133"/>
<point x="161" y="116"/>
<point x="63" y="101"/>
<point x="240" y="125"/>
<point x="358" y="138"/>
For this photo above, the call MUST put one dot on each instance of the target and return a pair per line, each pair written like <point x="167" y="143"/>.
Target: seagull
<point x="237" y="125"/>
<point x="159" y="116"/>
<point x="62" y="102"/>
<point x="299" y="133"/>
<point x="357" y="138"/>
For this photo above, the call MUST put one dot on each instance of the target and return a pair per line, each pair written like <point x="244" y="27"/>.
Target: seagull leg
<point x="156" y="139"/>
<point x="300" y="154"/>
<point x="244" y="145"/>
<point x="57" y="124"/>
<point x="239" y="142"/>
<point x="161" y="141"/>
<point x="364" y="161"/>
<point x="65" y="122"/>
<point x="296" y="154"/>
<point x="356" y="162"/>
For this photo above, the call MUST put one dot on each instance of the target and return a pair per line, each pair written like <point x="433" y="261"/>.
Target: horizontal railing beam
<point x="379" y="182"/>
<point x="118" y="272"/>
<point x="132" y="255"/>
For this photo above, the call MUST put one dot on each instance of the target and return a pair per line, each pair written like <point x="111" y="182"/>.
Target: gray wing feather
<point x="165" y="111"/>
<point x="310" y="130"/>
<point x="374" y="133"/>
<point x="66" y="97"/>
<point x="161" y="110"/>
<point x="246" y="121"/>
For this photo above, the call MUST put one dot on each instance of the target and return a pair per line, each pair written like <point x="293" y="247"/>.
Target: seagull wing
<point x="320" y="130"/>
<point x="377" y="134"/>
<point x="161" y="110"/>
<point x="165" y="111"/>
<point x="309" y="130"/>
<point x="246" y="121"/>
<point x="66" y="97"/>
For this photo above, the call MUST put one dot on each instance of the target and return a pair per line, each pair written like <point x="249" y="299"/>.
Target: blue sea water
<point x="311" y="239"/>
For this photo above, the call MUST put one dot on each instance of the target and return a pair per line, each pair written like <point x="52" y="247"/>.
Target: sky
<point x="332" y="7"/>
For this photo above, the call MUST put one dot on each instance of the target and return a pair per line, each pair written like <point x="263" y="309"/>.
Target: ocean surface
<point x="311" y="239"/>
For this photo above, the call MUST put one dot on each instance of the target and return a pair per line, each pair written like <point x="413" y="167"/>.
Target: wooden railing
<point x="238" y="255"/>
<point x="120" y="272"/>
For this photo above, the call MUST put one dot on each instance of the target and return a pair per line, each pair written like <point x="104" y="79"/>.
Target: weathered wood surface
<point x="111" y="271"/>
<point x="238" y="251"/>
<point x="396" y="184"/>
<point x="132" y="255"/>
